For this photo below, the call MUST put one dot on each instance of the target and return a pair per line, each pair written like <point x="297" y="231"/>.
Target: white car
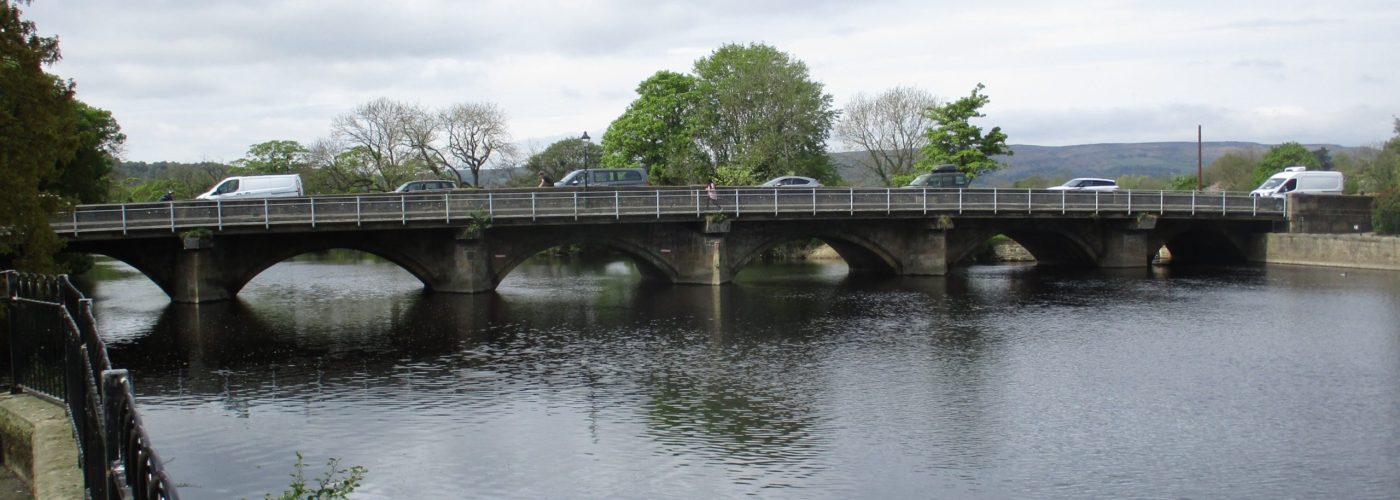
<point x="1087" y="184"/>
<point x="791" y="181"/>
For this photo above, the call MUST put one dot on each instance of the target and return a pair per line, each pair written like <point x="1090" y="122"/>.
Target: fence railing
<point x="575" y="204"/>
<point x="56" y="352"/>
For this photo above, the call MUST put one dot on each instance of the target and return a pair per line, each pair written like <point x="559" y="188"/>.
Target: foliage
<point x="38" y="133"/>
<point x="1385" y="214"/>
<point x="889" y="131"/>
<point x="336" y="483"/>
<point x="1324" y="159"/>
<point x="760" y="112"/>
<point x="1281" y="156"/>
<point x="478" y="222"/>
<point x="1233" y="171"/>
<point x="1381" y="173"/>
<point x="1182" y="183"/>
<point x="564" y="156"/>
<point x="736" y="175"/>
<point x="86" y="178"/>
<point x="273" y="157"/>
<point x="139" y="181"/>
<point x="747" y="107"/>
<point x="957" y="141"/>
<point x="657" y="132"/>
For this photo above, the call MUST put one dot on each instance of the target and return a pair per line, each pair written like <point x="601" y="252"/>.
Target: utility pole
<point x="1199" y="177"/>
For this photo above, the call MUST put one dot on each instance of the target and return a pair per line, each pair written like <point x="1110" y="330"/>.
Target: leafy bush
<point x="1385" y="214"/>
<point x="336" y="483"/>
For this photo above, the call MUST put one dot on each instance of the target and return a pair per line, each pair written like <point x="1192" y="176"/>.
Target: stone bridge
<point x="467" y="241"/>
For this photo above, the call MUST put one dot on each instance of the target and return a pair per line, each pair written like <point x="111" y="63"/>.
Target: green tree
<point x="86" y="177"/>
<point x="37" y="135"/>
<point x="1281" y="156"/>
<point x="564" y="156"/>
<point x="746" y="107"/>
<point x="274" y="157"/>
<point x="1232" y="171"/>
<point x="957" y="141"/>
<point x="759" y="111"/>
<point x="658" y="130"/>
<point x="1380" y="174"/>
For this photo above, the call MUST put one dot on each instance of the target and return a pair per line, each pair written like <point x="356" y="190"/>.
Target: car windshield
<point x="1272" y="183"/>
<point x="573" y="177"/>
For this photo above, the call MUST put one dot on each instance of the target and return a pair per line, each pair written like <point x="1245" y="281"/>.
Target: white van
<point x="255" y="186"/>
<point x="1299" y="179"/>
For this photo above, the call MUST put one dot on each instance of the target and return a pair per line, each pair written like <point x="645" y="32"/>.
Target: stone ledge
<point x="36" y="443"/>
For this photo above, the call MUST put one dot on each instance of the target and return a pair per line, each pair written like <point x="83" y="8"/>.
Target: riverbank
<point x="1361" y="251"/>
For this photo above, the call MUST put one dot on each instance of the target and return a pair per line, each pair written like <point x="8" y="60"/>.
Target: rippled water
<point x="797" y="381"/>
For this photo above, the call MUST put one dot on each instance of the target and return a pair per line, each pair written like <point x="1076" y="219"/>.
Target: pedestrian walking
<point x="545" y="180"/>
<point x="713" y="195"/>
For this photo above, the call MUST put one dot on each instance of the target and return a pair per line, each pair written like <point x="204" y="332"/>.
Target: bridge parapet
<point x="1329" y="214"/>
<point x="523" y="207"/>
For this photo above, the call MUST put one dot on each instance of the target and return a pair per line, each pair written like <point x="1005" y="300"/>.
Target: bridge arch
<point x="1050" y="244"/>
<point x="1203" y="244"/>
<point x="517" y="247"/>
<point x="861" y="253"/>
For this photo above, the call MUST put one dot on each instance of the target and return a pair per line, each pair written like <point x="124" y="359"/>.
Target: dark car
<point x="942" y="176"/>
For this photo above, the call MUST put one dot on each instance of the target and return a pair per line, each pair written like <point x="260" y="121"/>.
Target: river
<point x="578" y="379"/>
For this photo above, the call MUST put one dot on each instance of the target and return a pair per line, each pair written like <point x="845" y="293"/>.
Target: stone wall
<point x="36" y="444"/>
<point x="1336" y="250"/>
<point x="1329" y="214"/>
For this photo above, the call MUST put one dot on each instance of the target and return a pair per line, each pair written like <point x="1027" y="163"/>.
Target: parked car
<point x="942" y="176"/>
<point x="1087" y="184"/>
<point x="605" y="177"/>
<point x="791" y="181"/>
<point x="429" y="185"/>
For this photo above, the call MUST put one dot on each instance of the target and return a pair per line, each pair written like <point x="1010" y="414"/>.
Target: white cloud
<point x="204" y="80"/>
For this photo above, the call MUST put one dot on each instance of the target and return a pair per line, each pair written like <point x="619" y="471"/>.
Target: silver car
<point x="791" y="181"/>
<point x="1087" y="184"/>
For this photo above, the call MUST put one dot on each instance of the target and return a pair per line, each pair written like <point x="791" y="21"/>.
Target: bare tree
<point x="475" y="132"/>
<point x="888" y="128"/>
<point x="379" y="129"/>
<point x="336" y="169"/>
<point x="422" y="131"/>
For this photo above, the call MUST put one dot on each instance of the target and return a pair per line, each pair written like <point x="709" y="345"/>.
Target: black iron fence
<point x="55" y="352"/>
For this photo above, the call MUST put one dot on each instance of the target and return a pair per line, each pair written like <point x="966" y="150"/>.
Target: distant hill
<point x="1152" y="159"/>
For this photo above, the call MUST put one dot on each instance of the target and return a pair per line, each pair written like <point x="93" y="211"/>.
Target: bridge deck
<point x="463" y="207"/>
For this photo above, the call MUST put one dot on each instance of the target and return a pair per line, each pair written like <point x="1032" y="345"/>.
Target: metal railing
<point x="569" y="204"/>
<point x="56" y="353"/>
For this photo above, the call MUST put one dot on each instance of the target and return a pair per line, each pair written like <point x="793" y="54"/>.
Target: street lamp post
<point x="585" y="142"/>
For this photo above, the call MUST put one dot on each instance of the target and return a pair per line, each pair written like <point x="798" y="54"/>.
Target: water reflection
<point x="579" y="379"/>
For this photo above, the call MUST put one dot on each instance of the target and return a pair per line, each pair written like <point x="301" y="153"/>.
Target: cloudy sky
<point x="203" y="80"/>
